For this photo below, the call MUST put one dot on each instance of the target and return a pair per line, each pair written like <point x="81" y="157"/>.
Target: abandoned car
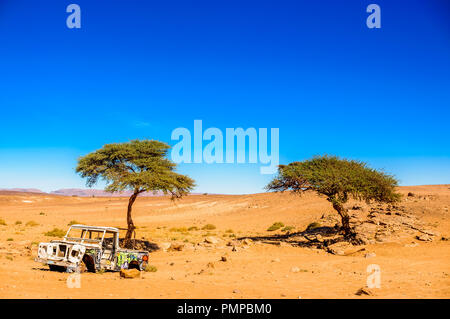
<point x="90" y="248"/>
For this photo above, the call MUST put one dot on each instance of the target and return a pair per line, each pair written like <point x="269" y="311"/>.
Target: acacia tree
<point x="139" y="166"/>
<point x="338" y="180"/>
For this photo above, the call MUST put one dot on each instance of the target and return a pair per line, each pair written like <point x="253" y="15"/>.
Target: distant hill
<point x="97" y="193"/>
<point x="22" y="190"/>
<point x="80" y="192"/>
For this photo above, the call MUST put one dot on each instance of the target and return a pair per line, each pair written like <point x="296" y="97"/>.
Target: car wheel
<point x="83" y="267"/>
<point x="87" y="264"/>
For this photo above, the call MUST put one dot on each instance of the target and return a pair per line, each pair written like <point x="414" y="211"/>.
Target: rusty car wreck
<point x="90" y="248"/>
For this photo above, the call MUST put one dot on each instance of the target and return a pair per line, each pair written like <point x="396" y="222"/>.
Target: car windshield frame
<point x="84" y="232"/>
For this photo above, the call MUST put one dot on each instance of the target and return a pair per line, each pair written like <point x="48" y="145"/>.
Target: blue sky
<point x="140" y="69"/>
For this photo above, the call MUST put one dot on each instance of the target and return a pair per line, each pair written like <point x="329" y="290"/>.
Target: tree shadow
<point x="308" y="238"/>
<point x="139" y="244"/>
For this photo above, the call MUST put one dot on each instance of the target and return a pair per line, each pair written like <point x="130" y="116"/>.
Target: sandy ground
<point x="258" y="271"/>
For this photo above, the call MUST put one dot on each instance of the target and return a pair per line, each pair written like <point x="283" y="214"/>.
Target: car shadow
<point x="41" y="268"/>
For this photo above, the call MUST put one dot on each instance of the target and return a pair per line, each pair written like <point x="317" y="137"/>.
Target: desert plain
<point x="203" y="251"/>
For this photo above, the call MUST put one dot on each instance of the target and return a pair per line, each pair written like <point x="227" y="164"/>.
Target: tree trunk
<point x="345" y="218"/>
<point x="130" y="223"/>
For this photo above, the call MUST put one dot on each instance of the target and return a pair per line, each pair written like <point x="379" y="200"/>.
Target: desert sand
<point x="410" y="268"/>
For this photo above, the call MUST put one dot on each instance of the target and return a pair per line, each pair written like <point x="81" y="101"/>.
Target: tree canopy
<point x="139" y="166"/>
<point x="337" y="179"/>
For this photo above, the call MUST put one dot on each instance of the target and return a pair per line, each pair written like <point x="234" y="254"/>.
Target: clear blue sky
<point x="139" y="69"/>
